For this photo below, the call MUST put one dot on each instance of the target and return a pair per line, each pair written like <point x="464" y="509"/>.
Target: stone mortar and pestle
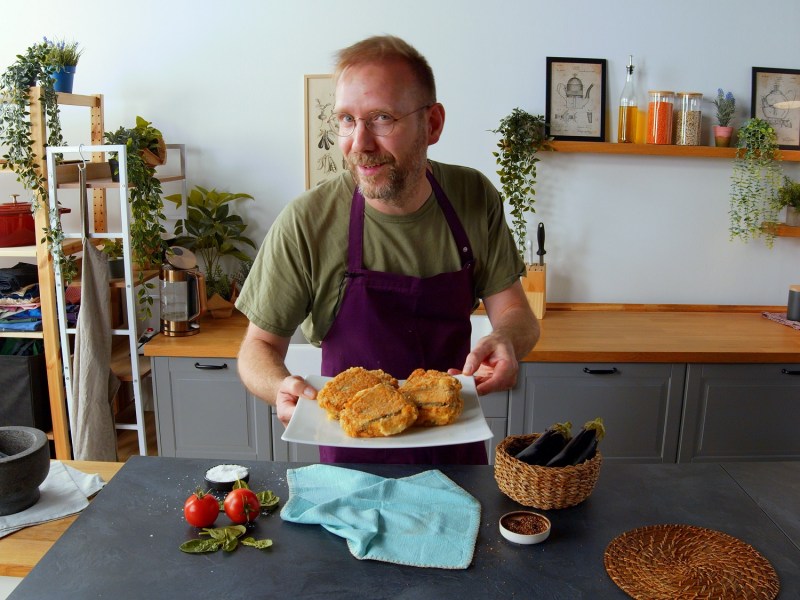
<point x="24" y="465"/>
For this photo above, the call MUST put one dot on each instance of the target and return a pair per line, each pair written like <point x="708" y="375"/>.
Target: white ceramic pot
<point x="792" y="216"/>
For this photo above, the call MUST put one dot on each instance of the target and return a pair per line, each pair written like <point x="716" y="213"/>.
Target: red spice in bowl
<point x="525" y="527"/>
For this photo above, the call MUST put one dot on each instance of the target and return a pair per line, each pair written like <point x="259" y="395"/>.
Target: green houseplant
<point x="522" y="135"/>
<point x="34" y="65"/>
<point x="789" y="198"/>
<point x="147" y="206"/>
<point x="216" y="235"/>
<point x="726" y="105"/>
<point x="757" y="176"/>
<point x="63" y="59"/>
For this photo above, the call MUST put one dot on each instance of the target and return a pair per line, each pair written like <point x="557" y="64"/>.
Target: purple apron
<point x="399" y="323"/>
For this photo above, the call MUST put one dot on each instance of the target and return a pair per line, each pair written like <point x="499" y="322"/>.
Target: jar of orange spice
<point x="659" y="117"/>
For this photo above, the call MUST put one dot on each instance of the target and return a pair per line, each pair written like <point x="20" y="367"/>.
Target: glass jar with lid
<point x="659" y="117"/>
<point x="687" y="119"/>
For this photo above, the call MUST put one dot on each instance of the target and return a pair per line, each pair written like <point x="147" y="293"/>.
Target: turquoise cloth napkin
<point x="424" y="520"/>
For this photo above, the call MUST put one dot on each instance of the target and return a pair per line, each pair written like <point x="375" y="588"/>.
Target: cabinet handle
<point x="610" y="371"/>
<point x="211" y="367"/>
<point x="788" y="372"/>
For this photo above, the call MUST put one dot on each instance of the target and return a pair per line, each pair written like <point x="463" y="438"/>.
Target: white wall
<point x="226" y="79"/>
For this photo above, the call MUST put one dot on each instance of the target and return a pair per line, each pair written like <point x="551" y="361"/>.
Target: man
<point x="384" y="264"/>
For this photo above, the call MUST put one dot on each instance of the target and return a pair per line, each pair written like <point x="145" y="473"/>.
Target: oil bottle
<point x="626" y="131"/>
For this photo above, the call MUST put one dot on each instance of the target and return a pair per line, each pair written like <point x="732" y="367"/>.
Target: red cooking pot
<point x="16" y="224"/>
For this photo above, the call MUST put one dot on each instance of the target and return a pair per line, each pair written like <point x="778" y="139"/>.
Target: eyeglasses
<point x="378" y="122"/>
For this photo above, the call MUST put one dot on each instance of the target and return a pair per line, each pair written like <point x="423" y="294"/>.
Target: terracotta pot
<point x="219" y="307"/>
<point x="159" y="157"/>
<point x="722" y="136"/>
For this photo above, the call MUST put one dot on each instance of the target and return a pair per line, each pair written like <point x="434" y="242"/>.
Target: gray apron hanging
<point x="94" y="436"/>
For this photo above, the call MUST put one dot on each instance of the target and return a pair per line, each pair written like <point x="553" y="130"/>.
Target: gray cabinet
<point x="640" y="404"/>
<point x="741" y="412"/>
<point x="204" y="411"/>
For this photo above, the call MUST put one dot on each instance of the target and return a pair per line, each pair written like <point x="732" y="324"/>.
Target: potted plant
<point x="215" y="234"/>
<point x="522" y="135"/>
<point x="144" y="139"/>
<point x="147" y="206"/>
<point x="15" y="133"/>
<point x="756" y="178"/>
<point x="789" y="197"/>
<point x="726" y="105"/>
<point x="63" y="59"/>
<point x="113" y="250"/>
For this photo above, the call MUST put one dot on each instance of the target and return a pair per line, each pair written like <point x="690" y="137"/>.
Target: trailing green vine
<point x="147" y="206"/>
<point x="756" y="179"/>
<point x="522" y="135"/>
<point x="35" y="65"/>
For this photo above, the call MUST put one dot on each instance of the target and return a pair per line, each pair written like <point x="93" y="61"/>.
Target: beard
<point x="403" y="172"/>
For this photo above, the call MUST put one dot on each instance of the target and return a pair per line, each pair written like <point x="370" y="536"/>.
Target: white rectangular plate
<point x="310" y="425"/>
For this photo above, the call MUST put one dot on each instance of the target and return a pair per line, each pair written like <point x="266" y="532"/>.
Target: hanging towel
<point x="94" y="436"/>
<point x="424" y="520"/>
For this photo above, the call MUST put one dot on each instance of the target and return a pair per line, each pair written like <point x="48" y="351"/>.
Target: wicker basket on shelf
<point x="542" y="487"/>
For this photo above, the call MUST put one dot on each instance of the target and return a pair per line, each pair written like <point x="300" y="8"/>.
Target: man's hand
<point x="493" y="364"/>
<point x="289" y="392"/>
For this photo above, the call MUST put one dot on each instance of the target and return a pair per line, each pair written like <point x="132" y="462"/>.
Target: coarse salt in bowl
<point x="222" y="477"/>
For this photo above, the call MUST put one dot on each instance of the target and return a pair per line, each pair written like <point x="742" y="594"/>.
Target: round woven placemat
<point x="684" y="561"/>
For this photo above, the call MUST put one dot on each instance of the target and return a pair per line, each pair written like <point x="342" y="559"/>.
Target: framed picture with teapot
<point x="576" y="99"/>
<point x="776" y="99"/>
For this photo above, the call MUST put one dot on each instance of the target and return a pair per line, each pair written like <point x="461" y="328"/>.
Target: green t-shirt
<point x="299" y="270"/>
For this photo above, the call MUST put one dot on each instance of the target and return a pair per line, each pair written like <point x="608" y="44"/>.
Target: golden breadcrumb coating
<point x="437" y="396"/>
<point x="379" y="411"/>
<point x="339" y="390"/>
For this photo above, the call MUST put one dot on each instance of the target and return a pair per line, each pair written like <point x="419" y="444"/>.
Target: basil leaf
<point x="240" y="484"/>
<point x="229" y="545"/>
<point x="260" y="544"/>
<point x="267" y="499"/>
<point x="199" y="546"/>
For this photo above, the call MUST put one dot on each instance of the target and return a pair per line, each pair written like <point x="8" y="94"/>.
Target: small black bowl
<point x="224" y="486"/>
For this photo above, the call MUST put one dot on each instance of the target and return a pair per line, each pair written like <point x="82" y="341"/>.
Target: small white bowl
<point x="222" y="477"/>
<point x="512" y="523"/>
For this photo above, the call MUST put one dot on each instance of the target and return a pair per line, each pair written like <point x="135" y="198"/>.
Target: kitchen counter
<point x="586" y="333"/>
<point x="125" y="544"/>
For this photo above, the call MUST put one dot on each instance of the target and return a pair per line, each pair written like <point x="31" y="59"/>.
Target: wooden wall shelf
<point x="657" y="150"/>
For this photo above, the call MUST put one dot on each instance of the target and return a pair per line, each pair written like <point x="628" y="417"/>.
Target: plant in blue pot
<point x="63" y="59"/>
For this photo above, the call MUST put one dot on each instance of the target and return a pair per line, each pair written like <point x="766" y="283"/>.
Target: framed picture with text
<point x="576" y="99"/>
<point x="776" y="99"/>
<point x="324" y="160"/>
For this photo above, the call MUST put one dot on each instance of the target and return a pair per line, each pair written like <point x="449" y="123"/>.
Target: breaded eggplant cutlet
<point x="340" y="390"/>
<point x="437" y="396"/>
<point x="377" y="412"/>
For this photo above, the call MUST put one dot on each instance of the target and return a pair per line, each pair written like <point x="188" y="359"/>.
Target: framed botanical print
<point x="576" y="99"/>
<point x="324" y="160"/>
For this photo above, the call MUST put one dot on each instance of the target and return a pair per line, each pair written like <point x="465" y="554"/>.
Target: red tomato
<point x="201" y="509"/>
<point x="242" y="505"/>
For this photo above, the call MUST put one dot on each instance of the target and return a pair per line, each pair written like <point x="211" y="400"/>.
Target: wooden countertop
<point x="590" y="333"/>
<point x="20" y="551"/>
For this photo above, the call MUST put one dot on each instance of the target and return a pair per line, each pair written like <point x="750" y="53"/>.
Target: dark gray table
<point x="125" y="544"/>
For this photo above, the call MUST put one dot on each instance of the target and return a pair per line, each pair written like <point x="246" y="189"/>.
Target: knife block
<point x="535" y="285"/>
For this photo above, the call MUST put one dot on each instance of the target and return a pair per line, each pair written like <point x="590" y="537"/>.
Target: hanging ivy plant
<point x="30" y="68"/>
<point x="147" y="206"/>
<point x="522" y="135"/>
<point x="756" y="180"/>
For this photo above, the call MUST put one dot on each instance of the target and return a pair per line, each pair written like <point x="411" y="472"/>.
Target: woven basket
<point x="542" y="487"/>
